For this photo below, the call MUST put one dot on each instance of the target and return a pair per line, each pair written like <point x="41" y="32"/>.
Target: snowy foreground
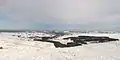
<point x="15" y="48"/>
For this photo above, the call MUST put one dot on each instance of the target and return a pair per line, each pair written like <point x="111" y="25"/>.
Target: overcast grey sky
<point x="59" y="14"/>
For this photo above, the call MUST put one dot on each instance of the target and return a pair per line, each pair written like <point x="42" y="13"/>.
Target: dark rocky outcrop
<point x="1" y="47"/>
<point x="46" y="38"/>
<point x="77" y="41"/>
<point x="85" y="39"/>
<point x="72" y="44"/>
<point x="58" y="44"/>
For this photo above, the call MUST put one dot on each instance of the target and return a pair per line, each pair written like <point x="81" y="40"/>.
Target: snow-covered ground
<point x="15" y="48"/>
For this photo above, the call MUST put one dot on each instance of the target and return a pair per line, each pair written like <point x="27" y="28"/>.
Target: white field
<point x="20" y="49"/>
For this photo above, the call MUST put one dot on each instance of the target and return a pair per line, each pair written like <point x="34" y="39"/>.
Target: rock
<point x="72" y="44"/>
<point x="66" y="38"/>
<point x="93" y="39"/>
<point x="46" y="38"/>
<point x="80" y="41"/>
<point x="19" y="36"/>
<point x="112" y="39"/>
<point x="77" y="41"/>
<point x="58" y="44"/>
<point x="37" y="40"/>
<point x="1" y="47"/>
<point x="13" y="35"/>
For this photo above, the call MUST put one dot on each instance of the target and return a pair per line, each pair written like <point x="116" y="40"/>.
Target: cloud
<point x="38" y="14"/>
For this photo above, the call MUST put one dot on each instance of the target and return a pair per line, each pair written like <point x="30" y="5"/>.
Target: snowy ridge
<point x="15" y="48"/>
